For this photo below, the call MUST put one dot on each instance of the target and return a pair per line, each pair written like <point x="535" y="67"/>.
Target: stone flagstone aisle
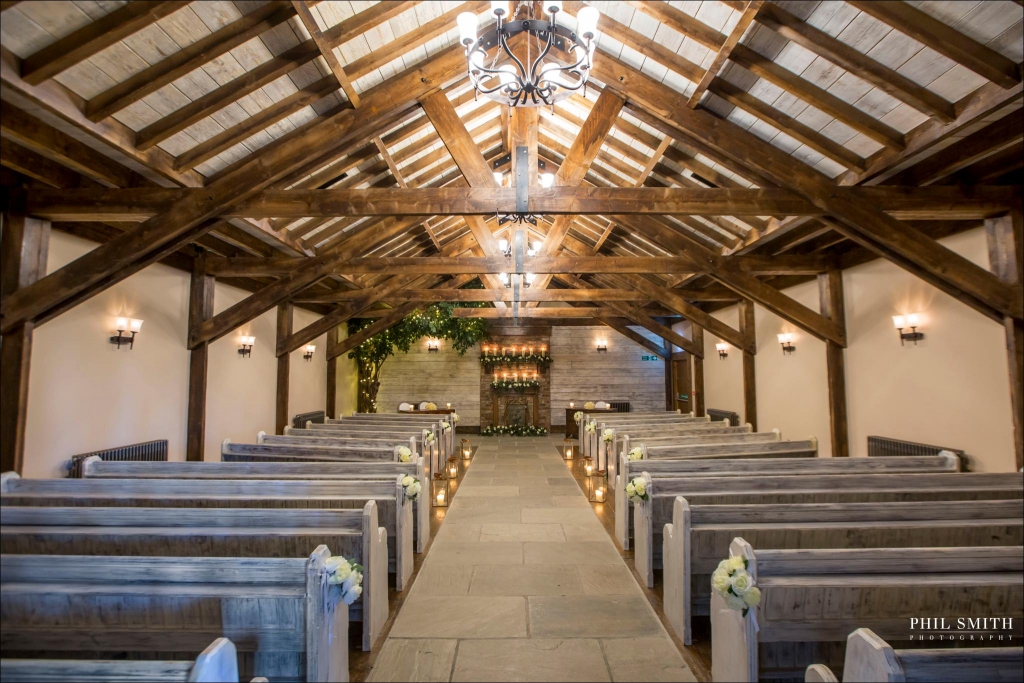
<point x="522" y="583"/>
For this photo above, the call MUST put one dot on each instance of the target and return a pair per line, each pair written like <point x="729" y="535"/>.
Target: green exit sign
<point x="649" y="358"/>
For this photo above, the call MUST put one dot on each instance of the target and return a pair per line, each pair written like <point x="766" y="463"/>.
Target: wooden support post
<point x="746" y="308"/>
<point x="200" y="308"/>
<point x="284" y="330"/>
<point x="1005" y="241"/>
<point x="830" y="286"/>
<point x="331" y="407"/>
<point x="22" y="262"/>
<point x="670" y="393"/>
<point x="698" y="370"/>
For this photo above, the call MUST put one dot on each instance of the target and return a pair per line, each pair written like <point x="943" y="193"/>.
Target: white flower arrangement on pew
<point x="578" y="415"/>
<point x="608" y="436"/>
<point x="404" y="454"/>
<point x="455" y="418"/>
<point x="736" y="586"/>
<point x="428" y="436"/>
<point x="635" y="453"/>
<point x="412" y="487"/>
<point x="636" y="490"/>
<point x="348" y="575"/>
<point x="591" y="427"/>
<point x="445" y="426"/>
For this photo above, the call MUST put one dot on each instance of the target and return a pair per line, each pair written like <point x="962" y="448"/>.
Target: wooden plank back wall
<point x="579" y="373"/>
<point x="440" y="377"/>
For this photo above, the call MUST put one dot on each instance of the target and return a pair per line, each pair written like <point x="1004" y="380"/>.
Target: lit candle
<point x="590" y="470"/>
<point x="449" y="405"/>
<point x="531" y="350"/>
<point x="440" y="497"/>
<point x="599" y="494"/>
<point x="543" y="349"/>
<point x="453" y="472"/>
<point x="568" y="453"/>
<point x="572" y="404"/>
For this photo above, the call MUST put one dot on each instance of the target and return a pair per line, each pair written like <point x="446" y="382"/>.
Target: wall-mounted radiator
<point x="300" y="420"/>
<point x="881" y="446"/>
<point x="149" y="451"/>
<point x="719" y="415"/>
<point x="619" y="406"/>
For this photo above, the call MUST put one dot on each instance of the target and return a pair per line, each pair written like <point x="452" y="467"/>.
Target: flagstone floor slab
<point x="530" y="660"/>
<point x="526" y="580"/>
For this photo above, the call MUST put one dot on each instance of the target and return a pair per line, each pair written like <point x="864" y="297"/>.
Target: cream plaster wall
<point x="950" y="390"/>
<point x="85" y="395"/>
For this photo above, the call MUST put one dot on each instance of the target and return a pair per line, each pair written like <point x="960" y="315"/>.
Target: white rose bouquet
<point x="736" y="586"/>
<point x="578" y="415"/>
<point x="348" y="575"/>
<point x="591" y="427"/>
<point x="589" y="405"/>
<point x="428" y="436"/>
<point x="455" y="418"/>
<point x="404" y="454"/>
<point x="636" y="490"/>
<point x="608" y="436"/>
<point x="412" y="487"/>
<point x="445" y="427"/>
<point x="636" y="453"/>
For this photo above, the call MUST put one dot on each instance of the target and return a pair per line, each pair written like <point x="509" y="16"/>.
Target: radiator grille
<point x="149" y="451"/>
<point x="300" y="420"/>
<point x="882" y="446"/>
<point x="719" y="415"/>
<point x="619" y="406"/>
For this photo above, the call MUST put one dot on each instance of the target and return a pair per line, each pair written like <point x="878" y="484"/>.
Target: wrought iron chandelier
<point x="526" y="79"/>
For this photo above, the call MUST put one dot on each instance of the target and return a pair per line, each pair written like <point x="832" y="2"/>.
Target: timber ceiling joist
<point x="313" y="150"/>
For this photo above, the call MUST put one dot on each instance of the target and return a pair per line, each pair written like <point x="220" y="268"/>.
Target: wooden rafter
<point x="326" y="51"/>
<point x="722" y="56"/>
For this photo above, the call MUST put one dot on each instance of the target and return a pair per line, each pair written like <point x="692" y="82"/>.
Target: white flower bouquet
<point x="428" y="436"/>
<point x="636" y="453"/>
<point x="591" y="427"/>
<point x="455" y="418"/>
<point x="412" y="487"/>
<point x="578" y="415"/>
<point x="736" y="586"/>
<point x="404" y="454"/>
<point x="636" y="490"/>
<point x="608" y="435"/>
<point x="445" y="427"/>
<point x="348" y="575"/>
<point x="589" y="405"/>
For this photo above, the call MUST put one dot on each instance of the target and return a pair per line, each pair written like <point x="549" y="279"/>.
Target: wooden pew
<point x="830" y="488"/>
<point x="593" y="446"/>
<point x="94" y="467"/>
<point x="218" y="662"/>
<point x="343" y="439"/>
<point x="286" y="622"/>
<point x="394" y="510"/>
<point x="745" y="467"/>
<point x="432" y="422"/>
<point x="706" y="432"/>
<point x="811" y="600"/>
<point x="211" y="532"/>
<point x="698" y="537"/>
<point x="231" y="451"/>
<point x="870" y="659"/>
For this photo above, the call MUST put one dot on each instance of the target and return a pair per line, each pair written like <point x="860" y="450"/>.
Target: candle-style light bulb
<point x="467" y="23"/>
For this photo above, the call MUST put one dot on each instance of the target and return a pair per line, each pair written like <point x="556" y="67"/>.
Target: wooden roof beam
<point x="326" y="51"/>
<point x="722" y="56"/>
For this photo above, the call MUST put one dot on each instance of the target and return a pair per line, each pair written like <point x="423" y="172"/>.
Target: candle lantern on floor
<point x="439" y="491"/>
<point x="597" y="485"/>
<point x="467" y="452"/>
<point x="588" y="470"/>
<point x="567" y="448"/>
<point x="453" y="468"/>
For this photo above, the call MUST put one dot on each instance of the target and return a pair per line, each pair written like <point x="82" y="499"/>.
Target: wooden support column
<point x="698" y="370"/>
<point x="1005" y="240"/>
<point x="200" y="308"/>
<point x="284" y="330"/>
<point x="670" y="392"/>
<point x="830" y="286"/>
<point x="22" y="262"/>
<point x="746" y="309"/>
<point x="331" y="407"/>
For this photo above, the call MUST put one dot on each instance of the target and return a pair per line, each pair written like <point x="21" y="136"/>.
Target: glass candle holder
<point x="567" y="449"/>
<point x="467" y="451"/>
<point x="439" y="491"/>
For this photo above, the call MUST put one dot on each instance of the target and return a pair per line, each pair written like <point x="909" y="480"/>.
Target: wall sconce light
<point x="308" y="355"/>
<point x="723" y="350"/>
<point x="245" y="344"/>
<point x="912" y="321"/>
<point x="602" y="346"/>
<point x="433" y="345"/>
<point x="786" y="340"/>
<point x="126" y="325"/>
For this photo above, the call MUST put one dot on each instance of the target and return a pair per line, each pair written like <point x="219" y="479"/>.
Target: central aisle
<point x="522" y="583"/>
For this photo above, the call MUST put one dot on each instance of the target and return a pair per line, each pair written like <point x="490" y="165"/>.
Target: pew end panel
<point x="819" y="673"/>
<point x="643" y="535"/>
<point x="869" y="658"/>
<point x="676" y="574"/>
<point x="734" y="654"/>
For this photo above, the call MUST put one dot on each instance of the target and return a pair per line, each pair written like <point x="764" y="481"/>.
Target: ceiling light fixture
<point x="529" y="75"/>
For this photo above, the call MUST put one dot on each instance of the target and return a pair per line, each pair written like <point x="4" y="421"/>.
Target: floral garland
<point x="636" y="453"/>
<point x="412" y="487"/>
<point x="516" y="385"/>
<point x="636" y="490"/>
<point x="514" y="430"/>
<point x="736" y="586"/>
<point x="348" y="575"/>
<point x="608" y="436"/>
<point x="578" y="415"/>
<point x="539" y="359"/>
<point x="404" y="454"/>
